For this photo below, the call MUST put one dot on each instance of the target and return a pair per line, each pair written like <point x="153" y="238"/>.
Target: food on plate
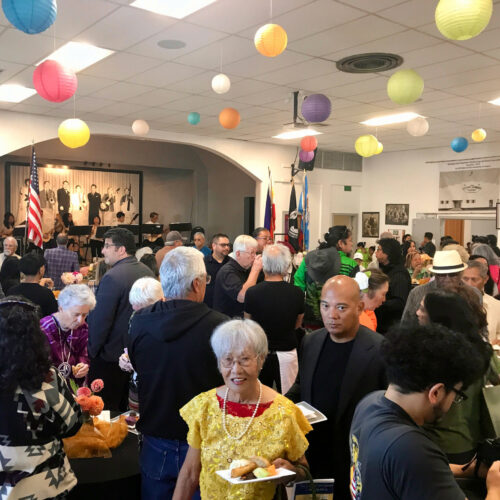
<point x="255" y="467"/>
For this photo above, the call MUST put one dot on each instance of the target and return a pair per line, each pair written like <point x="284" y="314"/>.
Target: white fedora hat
<point x="446" y="262"/>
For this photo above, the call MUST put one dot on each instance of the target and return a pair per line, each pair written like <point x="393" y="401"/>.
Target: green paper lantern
<point x="405" y="86"/>
<point x="366" y="145"/>
<point x="463" y="19"/>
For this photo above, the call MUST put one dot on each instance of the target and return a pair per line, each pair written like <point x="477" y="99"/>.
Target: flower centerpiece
<point x="96" y="437"/>
<point x="73" y="278"/>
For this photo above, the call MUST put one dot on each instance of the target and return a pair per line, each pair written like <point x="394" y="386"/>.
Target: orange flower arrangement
<point x="88" y="401"/>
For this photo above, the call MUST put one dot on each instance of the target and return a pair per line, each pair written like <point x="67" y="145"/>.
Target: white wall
<point x="405" y="177"/>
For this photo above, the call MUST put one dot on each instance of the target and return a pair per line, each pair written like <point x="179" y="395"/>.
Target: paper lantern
<point x="418" y="126"/>
<point x="459" y="144"/>
<point x="221" y="83"/>
<point x="30" y="16"/>
<point x="316" y="108"/>
<point x="194" y="118"/>
<point x="405" y="86"/>
<point x="229" y="118"/>
<point x="140" y="127"/>
<point x="380" y="148"/>
<point x="54" y="82"/>
<point x="270" y="40"/>
<point x="463" y="19"/>
<point x="309" y="143"/>
<point x="366" y="145"/>
<point x="74" y="133"/>
<point x="306" y="156"/>
<point x="479" y="135"/>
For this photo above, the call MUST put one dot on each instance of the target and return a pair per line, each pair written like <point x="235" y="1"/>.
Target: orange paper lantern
<point x="229" y="118"/>
<point x="271" y="40"/>
<point x="309" y="143"/>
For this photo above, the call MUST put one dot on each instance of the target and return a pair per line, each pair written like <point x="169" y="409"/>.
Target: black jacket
<point x="169" y="347"/>
<point x="108" y="322"/>
<point x="364" y="373"/>
<point x="391" y="310"/>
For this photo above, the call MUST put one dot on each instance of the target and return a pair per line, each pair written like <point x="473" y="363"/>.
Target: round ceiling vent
<point x="369" y="63"/>
<point x="171" y="44"/>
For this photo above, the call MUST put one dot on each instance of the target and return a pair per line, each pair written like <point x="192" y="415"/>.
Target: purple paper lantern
<point x="306" y="156"/>
<point x="316" y="108"/>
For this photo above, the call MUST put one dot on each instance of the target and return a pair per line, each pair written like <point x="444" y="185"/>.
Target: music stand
<point x="79" y="231"/>
<point x="19" y="234"/>
<point x="101" y="230"/>
<point x="133" y="228"/>
<point x="152" y="228"/>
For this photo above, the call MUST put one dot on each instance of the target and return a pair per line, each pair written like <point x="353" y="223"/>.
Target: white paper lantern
<point x="221" y="83"/>
<point x="140" y="127"/>
<point x="418" y="127"/>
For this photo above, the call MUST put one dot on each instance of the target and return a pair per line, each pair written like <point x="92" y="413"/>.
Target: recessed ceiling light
<point x="177" y="9"/>
<point x="496" y="101"/>
<point x="78" y="55"/>
<point x="15" y="93"/>
<point x="297" y="134"/>
<point x="171" y="44"/>
<point x="390" y="119"/>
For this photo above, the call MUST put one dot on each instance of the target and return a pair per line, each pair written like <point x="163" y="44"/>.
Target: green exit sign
<point x="347" y="188"/>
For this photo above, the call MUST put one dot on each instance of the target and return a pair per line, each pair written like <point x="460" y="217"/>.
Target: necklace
<point x="64" y="367"/>
<point x="241" y="434"/>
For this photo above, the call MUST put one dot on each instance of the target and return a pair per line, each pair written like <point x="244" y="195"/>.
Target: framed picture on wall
<point x="370" y="224"/>
<point x="397" y="214"/>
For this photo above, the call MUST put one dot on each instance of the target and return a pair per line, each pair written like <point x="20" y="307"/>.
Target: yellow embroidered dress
<point x="279" y="432"/>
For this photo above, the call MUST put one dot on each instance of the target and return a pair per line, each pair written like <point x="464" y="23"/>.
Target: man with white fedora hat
<point x="447" y="268"/>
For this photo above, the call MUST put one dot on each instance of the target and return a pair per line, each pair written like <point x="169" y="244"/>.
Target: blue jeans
<point x="161" y="461"/>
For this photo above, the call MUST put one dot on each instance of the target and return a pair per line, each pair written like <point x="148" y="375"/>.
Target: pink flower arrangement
<point x="84" y="391"/>
<point x="88" y="401"/>
<point x="97" y="385"/>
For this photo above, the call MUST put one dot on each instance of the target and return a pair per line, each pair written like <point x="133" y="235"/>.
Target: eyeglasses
<point x="459" y="396"/>
<point x="244" y="361"/>
<point x="253" y="252"/>
<point x="223" y="244"/>
<point x="107" y="245"/>
<point x="267" y="238"/>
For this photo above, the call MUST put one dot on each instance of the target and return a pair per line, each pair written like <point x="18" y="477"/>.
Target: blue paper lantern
<point x="316" y="108"/>
<point x="30" y="16"/>
<point x="459" y="144"/>
<point x="194" y="118"/>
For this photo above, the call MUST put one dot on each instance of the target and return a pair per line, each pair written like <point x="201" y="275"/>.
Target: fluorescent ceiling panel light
<point x="78" y="55"/>
<point x="496" y="101"/>
<point x="177" y="9"/>
<point x="15" y="93"/>
<point x="390" y="119"/>
<point x="297" y="134"/>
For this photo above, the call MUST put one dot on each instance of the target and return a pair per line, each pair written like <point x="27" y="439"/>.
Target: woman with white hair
<point x="68" y="332"/>
<point x="278" y="307"/>
<point x="199" y="243"/>
<point x="239" y="420"/>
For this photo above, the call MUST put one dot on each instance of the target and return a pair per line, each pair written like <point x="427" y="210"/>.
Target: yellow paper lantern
<point x="74" y="133"/>
<point x="270" y="40"/>
<point x="366" y="145"/>
<point x="380" y="148"/>
<point x="479" y="135"/>
<point x="405" y="86"/>
<point x="463" y="19"/>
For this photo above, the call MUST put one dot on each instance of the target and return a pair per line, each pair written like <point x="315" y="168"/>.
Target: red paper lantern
<point x="54" y="82"/>
<point x="309" y="143"/>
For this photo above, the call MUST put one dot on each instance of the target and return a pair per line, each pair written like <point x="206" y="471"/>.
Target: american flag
<point x="34" y="212"/>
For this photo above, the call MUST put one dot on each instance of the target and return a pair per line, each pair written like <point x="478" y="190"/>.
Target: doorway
<point x="455" y="229"/>
<point x="349" y="220"/>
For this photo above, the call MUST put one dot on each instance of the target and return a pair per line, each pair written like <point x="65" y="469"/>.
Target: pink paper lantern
<point x="306" y="156"/>
<point x="309" y="143"/>
<point x="54" y="82"/>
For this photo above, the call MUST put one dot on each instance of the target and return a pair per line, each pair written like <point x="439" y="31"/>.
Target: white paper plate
<point x="226" y="474"/>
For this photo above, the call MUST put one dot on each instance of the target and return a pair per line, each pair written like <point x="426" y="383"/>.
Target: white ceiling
<point x="142" y="80"/>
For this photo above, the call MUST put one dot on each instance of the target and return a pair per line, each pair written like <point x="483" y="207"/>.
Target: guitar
<point x="109" y="199"/>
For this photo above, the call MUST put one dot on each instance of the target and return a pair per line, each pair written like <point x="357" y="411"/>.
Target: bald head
<point x="340" y="307"/>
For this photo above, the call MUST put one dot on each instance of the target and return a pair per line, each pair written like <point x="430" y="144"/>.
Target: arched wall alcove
<point x="182" y="182"/>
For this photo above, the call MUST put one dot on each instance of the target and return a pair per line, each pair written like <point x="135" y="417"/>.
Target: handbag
<point x="281" y="489"/>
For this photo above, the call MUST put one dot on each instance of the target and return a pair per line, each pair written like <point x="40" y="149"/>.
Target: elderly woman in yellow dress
<point x="239" y="420"/>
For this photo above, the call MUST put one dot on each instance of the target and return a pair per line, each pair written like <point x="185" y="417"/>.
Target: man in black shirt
<point x="427" y="246"/>
<point x="278" y="307"/>
<point x="32" y="265"/>
<point x="213" y="263"/>
<point x="391" y="456"/>
<point x="237" y="276"/>
<point x="339" y="365"/>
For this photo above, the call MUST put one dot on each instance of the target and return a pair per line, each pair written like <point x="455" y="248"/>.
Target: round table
<point x="105" y="478"/>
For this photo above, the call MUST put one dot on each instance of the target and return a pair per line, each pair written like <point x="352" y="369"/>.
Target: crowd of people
<point x="214" y="343"/>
